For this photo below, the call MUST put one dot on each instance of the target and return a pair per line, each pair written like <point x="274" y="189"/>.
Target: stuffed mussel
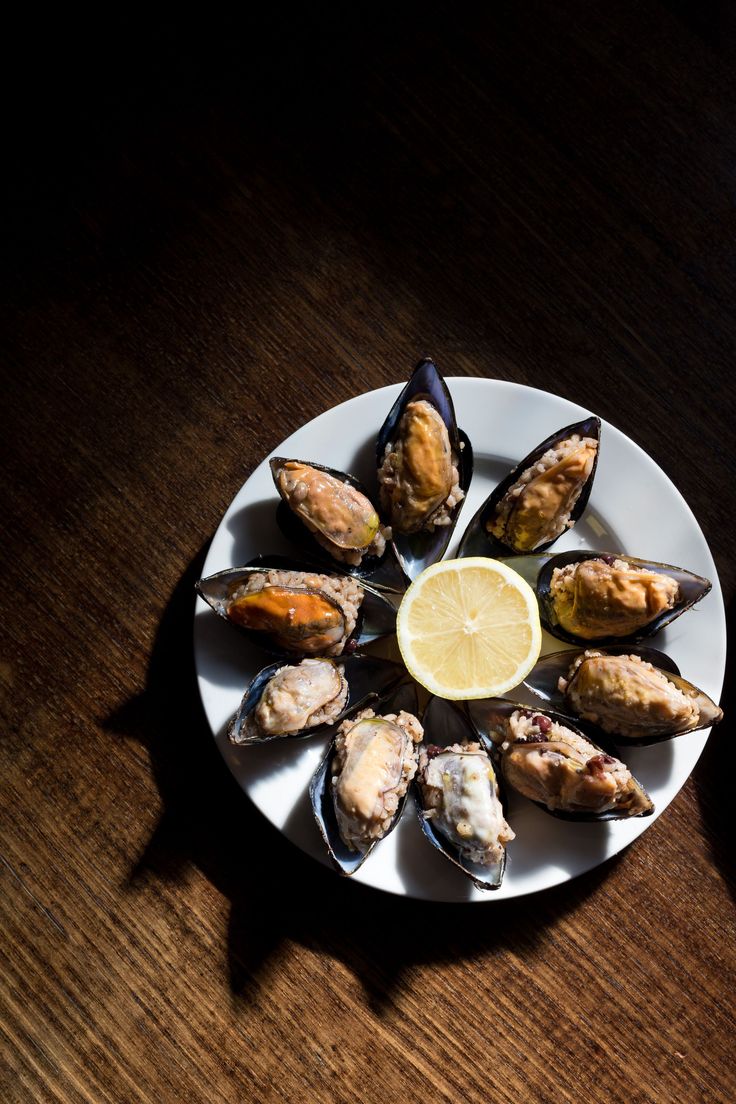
<point x="458" y="796"/>
<point x="555" y="765"/>
<point x="329" y="514"/>
<point x="359" y="790"/>
<point x="288" y="608"/>
<point x="303" y="699"/>
<point x="424" y="469"/>
<point x="541" y="498"/>
<point x="634" y="695"/>
<point x="601" y="598"/>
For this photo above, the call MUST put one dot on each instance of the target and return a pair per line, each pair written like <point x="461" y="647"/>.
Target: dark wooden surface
<point x="215" y="232"/>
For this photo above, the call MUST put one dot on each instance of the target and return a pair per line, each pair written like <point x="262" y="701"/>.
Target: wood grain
<point x="216" y="232"/>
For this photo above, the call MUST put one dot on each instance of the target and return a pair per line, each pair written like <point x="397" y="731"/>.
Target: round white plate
<point x="633" y="508"/>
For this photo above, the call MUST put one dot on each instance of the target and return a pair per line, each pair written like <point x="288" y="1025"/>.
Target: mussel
<point x="425" y="465"/>
<point x="635" y="696"/>
<point x="458" y="796"/>
<point x="541" y="498"/>
<point x="289" y="609"/>
<point x="556" y="765"/>
<point x="603" y="598"/>
<point x="329" y="515"/>
<point x="297" y="700"/>
<point x="359" y="790"/>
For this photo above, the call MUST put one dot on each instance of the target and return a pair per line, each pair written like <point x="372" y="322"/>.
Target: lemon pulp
<point x="469" y="628"/>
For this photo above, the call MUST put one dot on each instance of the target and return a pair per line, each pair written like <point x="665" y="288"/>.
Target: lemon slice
<point x="469" y="628"/>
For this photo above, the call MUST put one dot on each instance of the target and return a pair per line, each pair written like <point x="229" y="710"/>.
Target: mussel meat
<point x="294" y="701"/>
<point x="290" y="609"/>
<point x="359" y="790"/>
<point x="541" y="498"/>
<point x="596" y="598"/>
<point x="333" y="508"/>
<point x="555" y="765"/>
<point x="295" y="698"/>
<point x="375" y="760"/>
<point x="304" y="620"/>
<point x="632" y="700"/>
<point x="608" y="598"/>
<point x="419" y="478"/>
<point x="460" y="797"/>
<point x="424" y="469"/>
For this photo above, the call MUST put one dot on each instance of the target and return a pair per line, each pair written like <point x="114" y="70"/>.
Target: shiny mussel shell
<point x="299" y="620"/>
<point x="644" y="597"/>
<point x="559" y="764"/>
<point x="345" y="859"/>
<point x="642" y="709"/>
<point x="447" y="724"/>
<point x="420" y="548"/>
<point x="329" y="516"/>
<point x="549" y="492"/>
<point x="365" y="678"/>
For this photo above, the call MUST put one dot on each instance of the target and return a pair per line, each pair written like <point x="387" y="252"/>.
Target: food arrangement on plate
<point x="361" y="554"/>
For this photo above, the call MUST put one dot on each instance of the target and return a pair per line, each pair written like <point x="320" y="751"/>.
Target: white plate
<point x="633" y="508"/>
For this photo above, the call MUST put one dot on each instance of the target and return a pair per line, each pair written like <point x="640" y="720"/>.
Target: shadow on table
<point x="277" y="893"/>
<point x="713" y="779"/>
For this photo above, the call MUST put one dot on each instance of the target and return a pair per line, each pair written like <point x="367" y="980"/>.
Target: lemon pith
<point x="469" y="628"/>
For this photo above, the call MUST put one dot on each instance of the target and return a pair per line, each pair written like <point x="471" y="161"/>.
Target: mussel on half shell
<point x="604" y="598"/>
<point x="288" y="608"/>
<point x="359" y="790"/>
<point x="329" y="516"/>
<point x="294" y="701"/>
<point x="634" y="696"/>
<point x="556" y="765"/>
<point x="425" y="464"/>
<point x="541" y="498"/>
<point x="458" y="796"/>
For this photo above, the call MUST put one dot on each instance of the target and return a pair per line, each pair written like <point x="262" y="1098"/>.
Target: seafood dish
<point x="374" y="762"/>
<point x="419" y="477"/>
<point x="288" y="608"/>
<point x="637" y="696"/>
<point x="424" y="469"/>
<point x="359" y="790"/>
<point x="299" y="700"/>
<point x="359" y="548"/>
<point x="304" y="613"/>
<point x="555" y="765"/>
<point x="626" y="696"/>
<point x="601" y="598"/>
<point x="537" y="508"/>
<point x="333" y="508"/>
<point x="295" y="698"/>
<point x="458" y="796"/>
<point x="541" y="498"/>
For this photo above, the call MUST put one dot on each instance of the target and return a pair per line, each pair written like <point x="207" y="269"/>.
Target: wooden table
<point x="216" y="233"/>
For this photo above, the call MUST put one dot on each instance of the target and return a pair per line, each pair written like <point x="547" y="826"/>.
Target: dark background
<point x="214" y="230"/>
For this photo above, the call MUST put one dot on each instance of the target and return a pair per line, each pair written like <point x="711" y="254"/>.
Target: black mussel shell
<point x="383" y="571"/>
<point x="368" y="677"/>
<point x="376" y="616"/>
<point x="692" y="589"/>
<point x="415" y="551"/>
<point x="347" y="861"/>
<point x="486" y="713"/>
<point x="477" y="541"/>
<point x="447" y="723"/>
<point x="542" y="680"/>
